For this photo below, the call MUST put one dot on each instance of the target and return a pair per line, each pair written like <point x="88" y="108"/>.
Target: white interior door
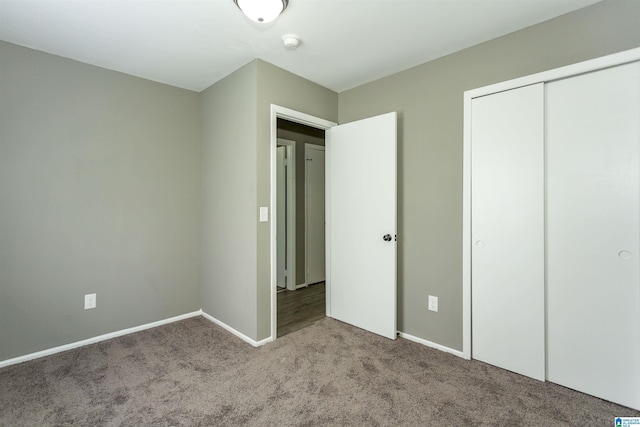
<point x="281" y="232"/>
<point x="286" y="213"/>
<point x="593" y="283"/>
<point x="507" y="230"/>
<point x="315" y="214"/>
<point x="361" y="226"/>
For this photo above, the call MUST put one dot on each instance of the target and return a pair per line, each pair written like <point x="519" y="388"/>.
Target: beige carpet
<point x="194" y="373"/>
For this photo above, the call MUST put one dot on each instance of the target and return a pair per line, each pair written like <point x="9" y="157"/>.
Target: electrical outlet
<point x="89" y="301"/>
<point x="433" y="303"/>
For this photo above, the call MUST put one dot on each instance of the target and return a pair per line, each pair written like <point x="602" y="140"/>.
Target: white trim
<point x="299" y="117"/>
<point x="308" y="120"/>
<point x="235" y="332"/>
<point x="94" y="340"/>
<point x="559" y="73"/>
<point x="432" y="345"/>
<point x="327" y="224"/>
<point x="466" y="230"/>
<point x="301" y="285"/>
<point x="543" y="77"/>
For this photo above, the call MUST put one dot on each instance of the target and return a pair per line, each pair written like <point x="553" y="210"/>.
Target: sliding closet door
<point x="507" y="229"/>
<point x="593" y="214"/>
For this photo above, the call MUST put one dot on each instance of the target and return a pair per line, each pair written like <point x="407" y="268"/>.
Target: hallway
<point x="301" y="308"/>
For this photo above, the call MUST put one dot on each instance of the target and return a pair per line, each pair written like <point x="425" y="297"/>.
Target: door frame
<point x="543" y="77"/>
<point x="308" y="146"/>
<point x="307" y="120"/>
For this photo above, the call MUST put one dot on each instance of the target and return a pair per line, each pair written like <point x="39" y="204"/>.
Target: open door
<point x="361" y="224"/>
<point x="281" y="192"/>
<point x="315" y="251"/>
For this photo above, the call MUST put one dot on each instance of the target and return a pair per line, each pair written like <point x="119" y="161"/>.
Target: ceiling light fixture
<point x="262" y="11"/>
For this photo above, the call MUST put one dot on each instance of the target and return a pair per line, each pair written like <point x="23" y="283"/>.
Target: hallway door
<point x="315" y="214"/>
<point x="282" y="217"/>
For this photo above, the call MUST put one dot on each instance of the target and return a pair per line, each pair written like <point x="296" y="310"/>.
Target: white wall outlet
<point x="89" y="301"/>
<point x="433" y="303"/>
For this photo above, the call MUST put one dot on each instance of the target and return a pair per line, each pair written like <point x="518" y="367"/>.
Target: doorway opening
<point x="299" y="292"/>
<point x="300" y="222"/>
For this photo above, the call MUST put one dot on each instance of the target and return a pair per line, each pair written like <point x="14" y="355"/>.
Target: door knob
<point x="387" y="237"/>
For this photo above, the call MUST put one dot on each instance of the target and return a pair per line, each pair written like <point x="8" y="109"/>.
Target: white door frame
<point x="290" y="147"/>
<point x="307" y="120"/>
<point x="543" y="77"/>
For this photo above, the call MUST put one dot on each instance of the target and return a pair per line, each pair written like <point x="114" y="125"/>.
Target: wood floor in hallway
<point x="300" y="308"/>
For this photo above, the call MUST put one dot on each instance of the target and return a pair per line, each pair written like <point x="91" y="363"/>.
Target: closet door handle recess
<point x="625" y="255"/>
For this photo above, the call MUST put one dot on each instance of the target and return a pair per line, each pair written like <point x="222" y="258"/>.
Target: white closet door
<point x="593" y="213"/>
<point x="507" y="203"/>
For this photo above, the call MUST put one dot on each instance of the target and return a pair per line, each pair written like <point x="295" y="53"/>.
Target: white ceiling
<point x="194" y="43"/>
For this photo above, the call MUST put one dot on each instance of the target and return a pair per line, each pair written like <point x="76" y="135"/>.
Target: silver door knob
<point x="387" y="237"/>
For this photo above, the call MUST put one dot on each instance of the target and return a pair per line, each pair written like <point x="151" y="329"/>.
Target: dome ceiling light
<point x="262" y="11"/>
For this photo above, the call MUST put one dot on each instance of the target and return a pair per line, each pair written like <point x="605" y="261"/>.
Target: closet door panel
<point x="593" y="233"/>
<point x="507" y="157"/>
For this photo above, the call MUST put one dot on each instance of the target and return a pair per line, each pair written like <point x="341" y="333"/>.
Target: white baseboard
<point x="235" y="332"/>
<point x="431" y="344"/>
<point x="54" y="350"/>
<point x="301" y="285"/>
<point x="94" y="340"/>
<point x="263" y="342"/>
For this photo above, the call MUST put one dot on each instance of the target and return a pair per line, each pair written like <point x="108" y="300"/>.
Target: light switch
<point x="89" y="301"/>
<point x="264" y="214"/>
<point x="433" y="303"/>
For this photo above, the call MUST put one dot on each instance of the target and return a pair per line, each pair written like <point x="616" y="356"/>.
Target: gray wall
<point x="280" y="87"/>
<point x="99" y="192"/>
<point x="229" y="209"/>
<point x="236" y="140"/>
<point x="429" y="100"/>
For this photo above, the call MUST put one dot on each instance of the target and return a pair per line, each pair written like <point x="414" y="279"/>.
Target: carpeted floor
<point x="194" y="373"/>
